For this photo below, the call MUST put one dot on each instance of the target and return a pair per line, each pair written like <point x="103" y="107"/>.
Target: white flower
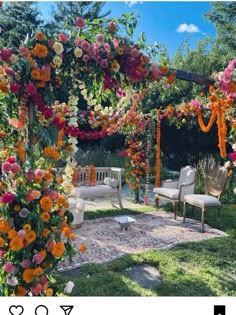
<point x="69" y="287"/>
<point x="227" y="164"/>
<point x="234" y="146"/>
<point x="73" y="99"/>
<point x="235" y="190"/>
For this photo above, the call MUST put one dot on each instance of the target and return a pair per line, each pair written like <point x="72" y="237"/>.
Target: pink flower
<point x="233" y="156"/>
<point x="6" y="167"/>
<point x="85" y="58"/>
<point x="85" y="45"/>
<point x="30" y="175"/>
<point x="39" y="172"/>
<point x="11" y="159"/>
<point x="30" y="88"/>
<point x="24" y="213"/>
<point x="36" y="194"/>
<point x="12" y="281"/>
<point x="156" y="72"/>
<point x="14" y="88"/>
<point x="116" y="42"/>
<point x="63" y="38"/>
<point x="5" y="54"/>
<point x="79" y="22"/>
<point x="38" y="258"/>
<point x="7" y="198"/>
<point x="25" y="263"/>
<point x="24" y="52"/>
<point x="9" y="71"/>
<point x="104" y="64"/>
<point x="21" y="233"/>
<point x="15" y="168"/>
<point x="134" y="52"/>
<point x="107" y="46"/>
<point x="29" y="197"/>
<point x="51" y="43"/>
<point x="77" y="41"/>
<point x="2" y="253"/>
<point x="53" y="195"/>
<point x="50" y="244"/>
<point x="37" y="289"/>
<point x="44" y="282"/>
<point x="9" y="267"/>
<point x="100" y="38"/>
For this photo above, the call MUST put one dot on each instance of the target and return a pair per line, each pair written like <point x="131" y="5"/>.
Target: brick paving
<point x="153" y="230"/>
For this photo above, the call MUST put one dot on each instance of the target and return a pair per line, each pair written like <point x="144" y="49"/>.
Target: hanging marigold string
<point x="92" y="175"/>
<point x="147" y="162"/>
<point x="158" y="150"/>
<point x="206" y="128"/>
<point x="222" y="130"/>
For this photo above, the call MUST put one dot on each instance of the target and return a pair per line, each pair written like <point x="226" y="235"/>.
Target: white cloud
<point x="132" y="2"/>
<point x="189" y="28"/>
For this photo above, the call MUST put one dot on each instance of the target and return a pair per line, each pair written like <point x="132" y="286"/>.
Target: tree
<point x="66" y="12"/>
<point x="223" y="16"/>
<point x="17" y="20"/>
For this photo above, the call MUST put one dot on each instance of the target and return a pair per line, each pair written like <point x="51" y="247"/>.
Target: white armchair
<point x="175" y="190"/>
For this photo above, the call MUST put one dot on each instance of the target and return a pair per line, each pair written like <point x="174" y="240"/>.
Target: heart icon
<point x="16" y="310"/>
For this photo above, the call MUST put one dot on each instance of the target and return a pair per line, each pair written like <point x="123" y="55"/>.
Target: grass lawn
<point x="206" y="268"/>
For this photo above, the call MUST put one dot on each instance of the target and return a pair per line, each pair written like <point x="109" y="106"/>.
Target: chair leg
<point x="174" y="209"/>
<point x="203" y="219"/>
<point x="119" y="200"/>
<point x="219" y="216"/>
<point x="184" y="212"/>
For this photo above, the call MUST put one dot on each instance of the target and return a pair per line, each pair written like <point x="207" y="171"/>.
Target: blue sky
<point x="168" y="22"/>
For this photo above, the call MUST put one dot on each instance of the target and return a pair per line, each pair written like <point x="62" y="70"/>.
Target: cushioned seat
<point x="202" y="200"/>
<point x="168" y="192"/>
<point x="214" y="183"/>
<point x="94" y="191"/>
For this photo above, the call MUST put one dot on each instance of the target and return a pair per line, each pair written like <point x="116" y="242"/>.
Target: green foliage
<point x="17" y="21"/>
<point x="223" y="16"/>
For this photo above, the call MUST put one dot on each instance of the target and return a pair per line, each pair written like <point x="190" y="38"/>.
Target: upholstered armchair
<point x="175" y="190"/>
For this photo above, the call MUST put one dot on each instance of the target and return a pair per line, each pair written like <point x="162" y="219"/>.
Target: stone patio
<point x="153" y="230"/>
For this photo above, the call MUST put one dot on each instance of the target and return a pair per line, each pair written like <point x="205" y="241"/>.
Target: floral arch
<point x="37" y="131"/>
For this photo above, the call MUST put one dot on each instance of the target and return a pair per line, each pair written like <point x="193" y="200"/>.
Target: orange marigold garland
<point x="92" y="175"/>
<point x="158" y="150"/>
<point x="206" y="128"/>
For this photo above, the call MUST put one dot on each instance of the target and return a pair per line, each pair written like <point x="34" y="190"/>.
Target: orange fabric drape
<point x="158" y="151"/>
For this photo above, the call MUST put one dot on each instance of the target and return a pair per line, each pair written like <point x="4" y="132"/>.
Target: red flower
<point x="63" y="38"/>
<point x="14" y="88"/>
<point x="7" y="198"/>
<point x="233" y="156"/>
<point x="30" y="88"/>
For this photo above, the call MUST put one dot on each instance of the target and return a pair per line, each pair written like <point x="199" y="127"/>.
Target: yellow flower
<point x="78" y="52"/>
<point x="115" y="66"/>
<point x="58" y="48"/>
<point x="49" y="292"/>
<point x="57" y="61"/>
<point x="27" y="227"/>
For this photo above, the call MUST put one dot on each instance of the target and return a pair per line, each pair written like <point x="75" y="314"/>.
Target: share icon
<point x="67" y="308"/>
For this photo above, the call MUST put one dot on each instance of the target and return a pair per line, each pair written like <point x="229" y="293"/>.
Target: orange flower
<point x="45" y="217"/>
<point x="50" y="152"/>
<point x="46" y="203"/>
<point x="21" y="291"/>
<point x="45" y="232"/>
<point x="4" y="226"/>
<point x="83" y="248"/>
<point x="112" y="26"/>
<point x="28" y="275"/>
<point x="2" y="242"/>
<point x="27" y="227"/>
<point x="164" y="70"/>
<point x="41" y="84"/>
<point x="66" y="231"/>
<point x="48" y="176"/>
<point x="38" y="179"/>
<point x="72" y="236"/>
<point x="58" y="249"/>
<point x="16" y="243"/>
<point x="40" y="51"/>
<point x="12" y="233"/>
<point x="38" y="271"/>
<point x="45" y="76"/>
<point x="40" y="36"/>
<point x="49" y="292"/>
<point x="35" y="74"/>
<point x="30" y="236"/>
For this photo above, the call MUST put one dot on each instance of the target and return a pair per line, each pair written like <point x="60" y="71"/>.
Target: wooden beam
<point x="192" y="77"/>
